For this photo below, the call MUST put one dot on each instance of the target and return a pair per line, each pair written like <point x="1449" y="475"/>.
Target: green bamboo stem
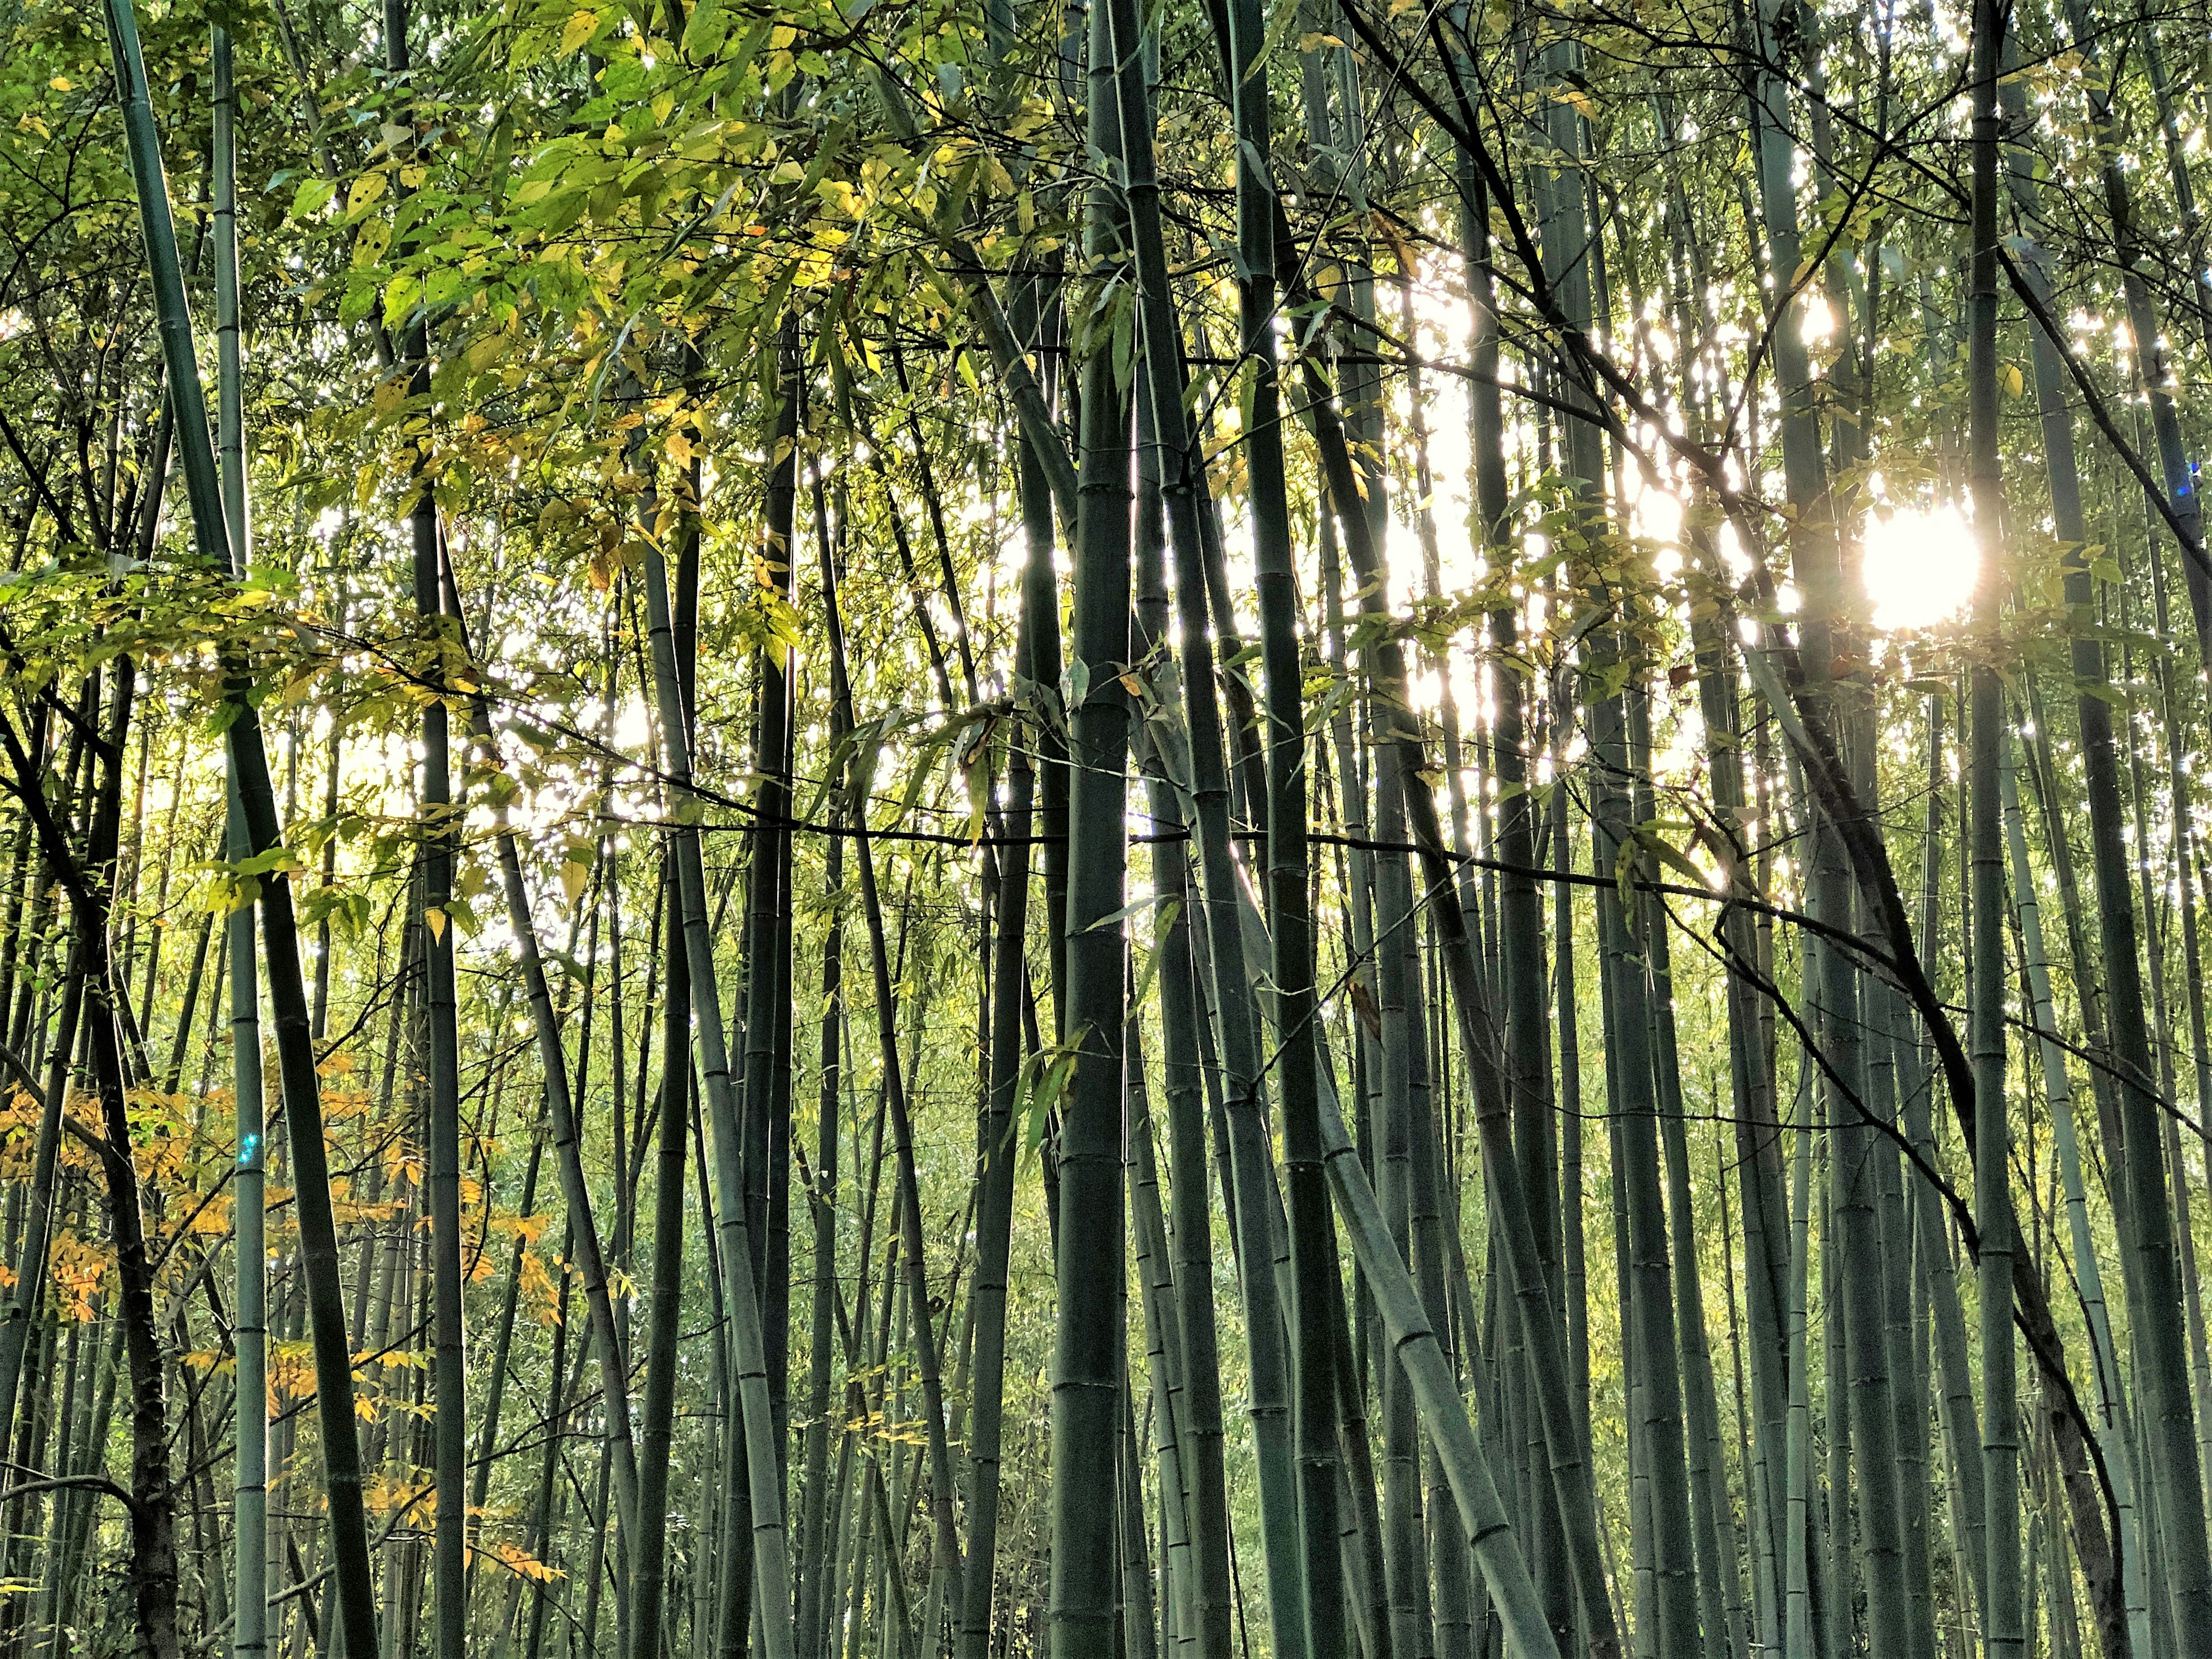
<point x="2003" y="1614"/>
<point x="249" y="763"/>
<point x="2088" y="1273"/>
<point x="757" y="1442"/>
<point x="1798" y="1640"/>
<point x="1087" y="1347"/>
<point x="1246" y="1178"/>
<point x="1491" y="1537"/>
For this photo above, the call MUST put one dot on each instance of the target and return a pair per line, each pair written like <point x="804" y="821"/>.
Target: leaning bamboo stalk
<point x="249" y="762"/>
<point x="590" y="1259"/>
<point x="1571" y="1473"/>
<point x="1235" y="1023"/>
<point x="771" y="1560"/>
<point x="2088" y="1273"/>
<point x="946" y="1543"/>
<point x="561" y="1103"/>
<point x="818" y="1564"/>
<point x="1414" y="1346"/>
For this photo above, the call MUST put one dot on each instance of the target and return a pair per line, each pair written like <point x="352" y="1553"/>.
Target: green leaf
<point x="1133" y="907"/>
<point x="1050" y="1070"/>
<point x="1150" y="963"/>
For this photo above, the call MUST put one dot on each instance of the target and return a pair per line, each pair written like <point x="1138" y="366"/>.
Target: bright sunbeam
<point x="1921" y="563"/>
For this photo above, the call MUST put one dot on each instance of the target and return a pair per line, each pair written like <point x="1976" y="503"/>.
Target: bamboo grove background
<point x="909" y="829"/>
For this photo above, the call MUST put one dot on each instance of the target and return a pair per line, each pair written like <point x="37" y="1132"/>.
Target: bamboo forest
<point x="1105" y="830"/>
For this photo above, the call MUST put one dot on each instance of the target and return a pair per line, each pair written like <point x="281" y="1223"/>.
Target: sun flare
<point x="1920" y="566"/>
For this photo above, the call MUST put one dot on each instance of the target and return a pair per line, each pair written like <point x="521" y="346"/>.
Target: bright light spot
<point x="1921" y="563"/>
<point x="1819" y="321"/>
<point x="632" y="727"/>
<point x="1732" y="553"/>
<point x="1658" y="514"/>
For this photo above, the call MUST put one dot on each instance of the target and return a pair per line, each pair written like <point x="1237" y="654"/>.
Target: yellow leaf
<point x="582" y="26"/>
<point x="527" y="1566"/>
<point x="436" y="919"/>
<point x="366" y="189"/>
<point x="368" y="248"/>
<point x="573" y="877"/>
<point x="60" y="84"/>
